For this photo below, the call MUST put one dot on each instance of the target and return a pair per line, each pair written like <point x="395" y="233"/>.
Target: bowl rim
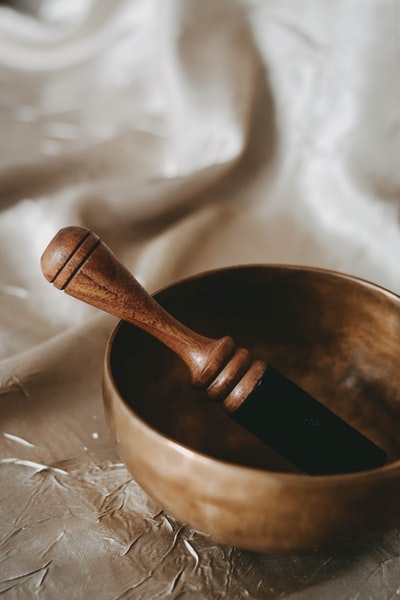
<point x="342" y="479"/>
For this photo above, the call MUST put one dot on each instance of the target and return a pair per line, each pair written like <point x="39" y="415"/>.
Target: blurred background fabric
<point x="189" y="135"/>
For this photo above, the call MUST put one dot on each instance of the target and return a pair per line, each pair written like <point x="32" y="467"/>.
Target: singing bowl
<point x="335" y="335"/>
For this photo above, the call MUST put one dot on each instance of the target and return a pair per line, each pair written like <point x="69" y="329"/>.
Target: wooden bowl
<point x="335" y="335"/>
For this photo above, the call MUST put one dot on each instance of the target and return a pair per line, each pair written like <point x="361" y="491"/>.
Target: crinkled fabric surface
<point x="189" y="135"/>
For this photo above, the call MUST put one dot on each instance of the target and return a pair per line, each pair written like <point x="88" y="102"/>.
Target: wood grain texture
<point x="79" y="263"/>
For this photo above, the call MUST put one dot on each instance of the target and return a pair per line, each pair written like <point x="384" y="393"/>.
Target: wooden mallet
<point x="257" y="396"/>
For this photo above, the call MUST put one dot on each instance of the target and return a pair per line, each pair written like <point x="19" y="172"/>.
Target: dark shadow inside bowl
<point x="335" y="336"/>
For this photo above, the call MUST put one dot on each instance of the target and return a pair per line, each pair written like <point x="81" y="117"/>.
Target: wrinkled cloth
<point x="189" y="135"/>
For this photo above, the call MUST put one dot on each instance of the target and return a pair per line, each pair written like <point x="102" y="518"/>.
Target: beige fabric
<point x="190" y="135"/>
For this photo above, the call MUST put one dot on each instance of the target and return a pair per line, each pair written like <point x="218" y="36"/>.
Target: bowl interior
<point x="336" y="336"/>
